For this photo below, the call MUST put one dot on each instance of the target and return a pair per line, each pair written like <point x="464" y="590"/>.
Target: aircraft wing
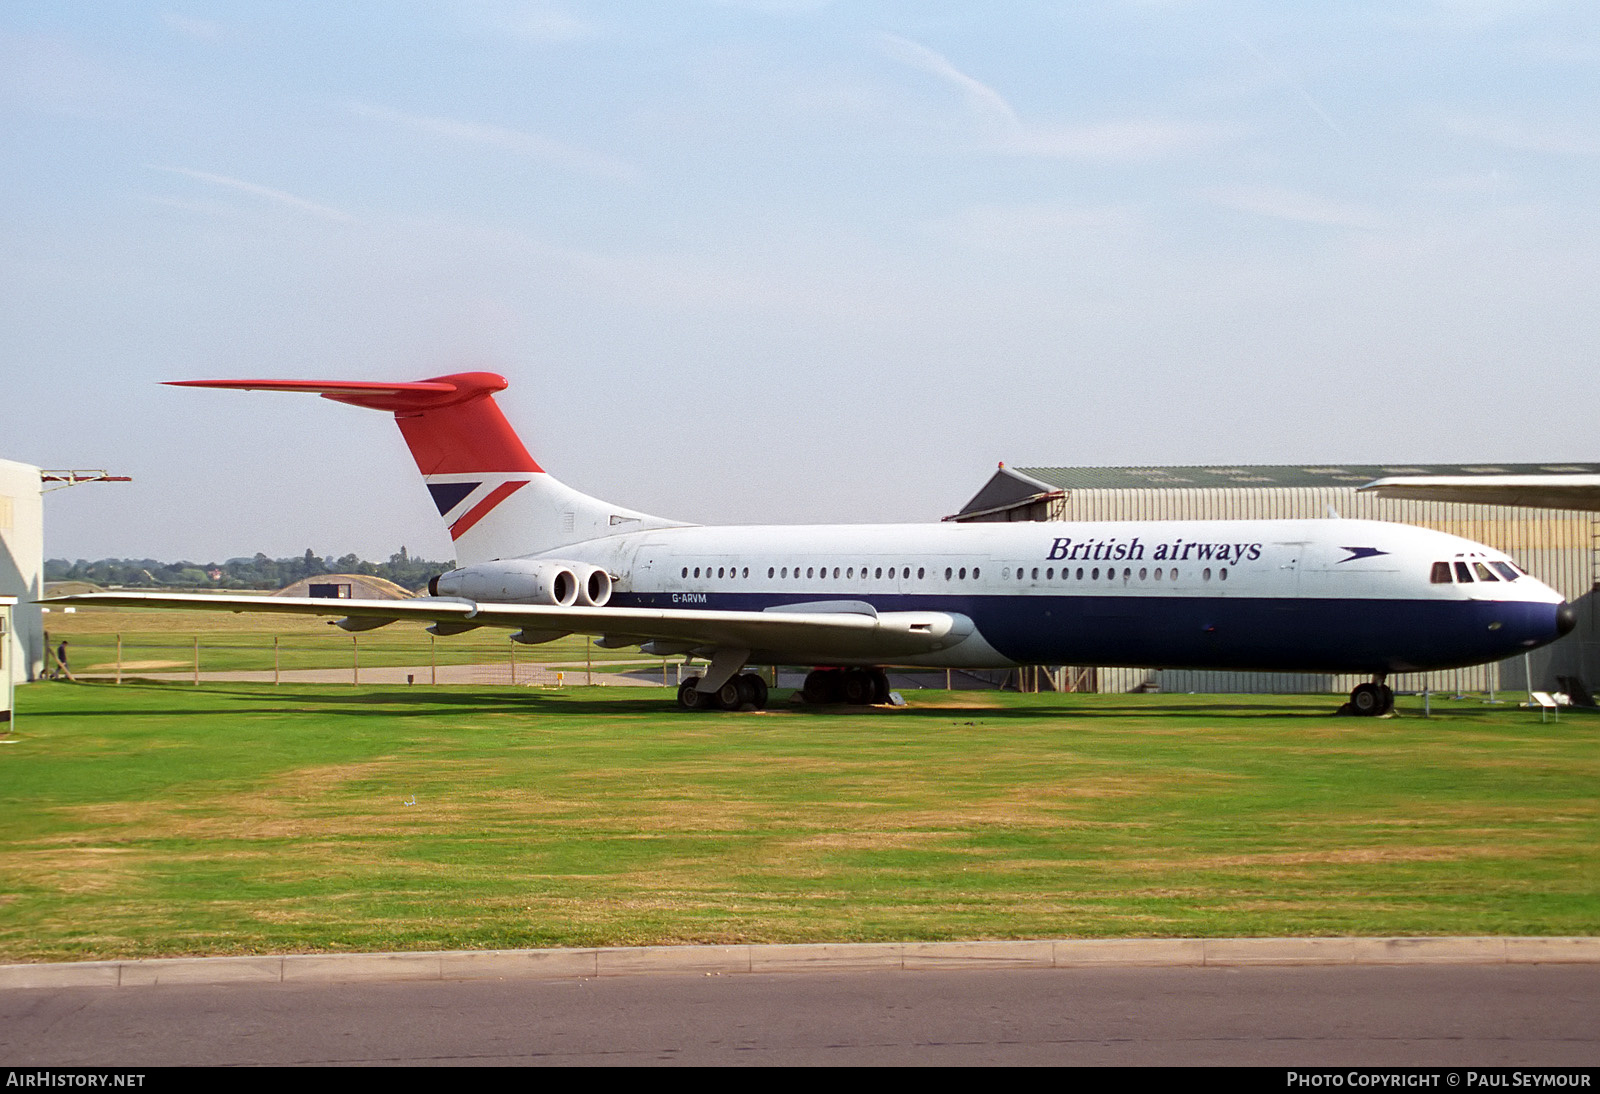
<point x="824" y="636"/>
<point x="1571" y="491"/>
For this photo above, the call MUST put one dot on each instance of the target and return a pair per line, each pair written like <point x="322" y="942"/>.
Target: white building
<point x="22" y="566"/>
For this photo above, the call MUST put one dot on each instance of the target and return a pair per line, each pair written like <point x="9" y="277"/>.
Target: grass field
<point x="151" y="819"/>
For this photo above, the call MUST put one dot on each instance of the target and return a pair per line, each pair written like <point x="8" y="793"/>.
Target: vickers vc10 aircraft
<point x="542" y="559"/>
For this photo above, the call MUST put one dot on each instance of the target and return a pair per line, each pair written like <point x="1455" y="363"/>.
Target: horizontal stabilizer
<point x="398" y="397"/>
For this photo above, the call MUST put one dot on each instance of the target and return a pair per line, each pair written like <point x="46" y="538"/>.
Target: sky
<point x="782" y="261"/>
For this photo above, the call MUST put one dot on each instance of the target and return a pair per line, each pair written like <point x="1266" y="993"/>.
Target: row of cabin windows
<point x="1463" y="572"/>
<point x="960" y="574"/>
<point x="1145" y="574"/>
<point x="818" y="572"/>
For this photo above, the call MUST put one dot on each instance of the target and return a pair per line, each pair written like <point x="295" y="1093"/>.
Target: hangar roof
<point x="1261" y="475"/>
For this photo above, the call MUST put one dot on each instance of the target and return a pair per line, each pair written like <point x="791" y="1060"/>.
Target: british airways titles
<point x="1109" y="550"/>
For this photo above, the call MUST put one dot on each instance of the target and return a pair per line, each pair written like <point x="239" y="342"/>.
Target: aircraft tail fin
<point x="496" y="501"/>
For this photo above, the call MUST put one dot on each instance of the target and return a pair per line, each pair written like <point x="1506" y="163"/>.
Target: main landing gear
<point x="746" y="691"/>
<point x="857" y="687"/>
<point x="1372" y="700"/>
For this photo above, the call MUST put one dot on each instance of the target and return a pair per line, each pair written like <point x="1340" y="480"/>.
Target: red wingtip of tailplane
<point x="400" y="398"/>
<point x="451" y="423"/>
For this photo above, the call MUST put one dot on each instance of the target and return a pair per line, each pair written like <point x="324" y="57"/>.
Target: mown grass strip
<point x="148" y="820"/>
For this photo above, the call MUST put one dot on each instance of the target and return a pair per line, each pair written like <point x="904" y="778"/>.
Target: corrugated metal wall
<point x="1556" y="546"/>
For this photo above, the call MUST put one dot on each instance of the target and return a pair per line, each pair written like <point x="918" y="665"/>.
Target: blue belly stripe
<point x="1239" y="633"/>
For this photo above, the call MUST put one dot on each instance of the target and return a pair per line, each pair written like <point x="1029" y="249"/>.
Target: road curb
<point x="556" y="964"/>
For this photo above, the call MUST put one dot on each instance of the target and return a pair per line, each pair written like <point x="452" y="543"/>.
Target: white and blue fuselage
<point x="1337" y="596"/>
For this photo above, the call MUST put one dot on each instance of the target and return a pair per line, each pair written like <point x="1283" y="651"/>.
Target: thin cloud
<point x="1125" y="140"/>
<point x="539" y="24"/>
<point x="1293" y="205"/>
<point x="1296" y="86"/>
<point x="516" y="141"/>
<point x="981" y="98"/>
<point x="1132" y="139"/>
<point x="203" y="30"/>
<point x="265" y="193"/>
<point x="1524" y="136"/>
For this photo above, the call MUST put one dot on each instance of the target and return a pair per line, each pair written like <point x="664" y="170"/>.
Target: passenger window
<point x="1094" y="574"/>
<point x="1441" y="573"/>
<point x="1463" y="574"/>
<point x="947" y="573"/>
<point x="963" y="573"/>
<point x="1050" y="574"/>
<point x="1222" y="574"/>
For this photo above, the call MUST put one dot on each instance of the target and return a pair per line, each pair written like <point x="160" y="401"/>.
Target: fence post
<point x="119" y="658"/>
<point x="197" y="660"/>
<point x="433" y="663"/>
<point x="274" y="660"/>
<point x="588" y="661"/>
<point x="513" y="645"/>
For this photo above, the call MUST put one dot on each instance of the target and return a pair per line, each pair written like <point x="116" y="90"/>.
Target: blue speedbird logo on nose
<point x="1361" y="552"/>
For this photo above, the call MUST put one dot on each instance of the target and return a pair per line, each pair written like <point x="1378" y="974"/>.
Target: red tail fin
<point x="495" y="500"/>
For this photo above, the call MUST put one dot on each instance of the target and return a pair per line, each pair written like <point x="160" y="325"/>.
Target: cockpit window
<point x="1483" y="572"/>
<point x="1441" y="573"/>
<point x="1463" y="573"/>
<point x="1505" y="570"/>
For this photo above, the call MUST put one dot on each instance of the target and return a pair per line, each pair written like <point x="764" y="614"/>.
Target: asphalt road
<point x="1434" y="1016"/>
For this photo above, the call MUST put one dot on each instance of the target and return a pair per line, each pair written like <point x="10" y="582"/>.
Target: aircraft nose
<point x="1566" y="619"/>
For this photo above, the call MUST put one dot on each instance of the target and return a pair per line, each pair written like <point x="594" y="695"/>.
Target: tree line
<point x="259" y="572"/>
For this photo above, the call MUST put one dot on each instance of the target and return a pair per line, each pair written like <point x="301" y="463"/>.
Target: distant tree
<point x="255" y="572"/>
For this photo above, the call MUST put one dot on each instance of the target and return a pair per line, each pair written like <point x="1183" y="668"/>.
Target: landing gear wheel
<point x="822" y="686"/>
<point x="757" y="689"/>
<point x="732" y="695"/>
<point x="689" y="698"/>
<point x="880" y="687"/>
<point x="1371" y="700"/>
<point x="859" y="687"/>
